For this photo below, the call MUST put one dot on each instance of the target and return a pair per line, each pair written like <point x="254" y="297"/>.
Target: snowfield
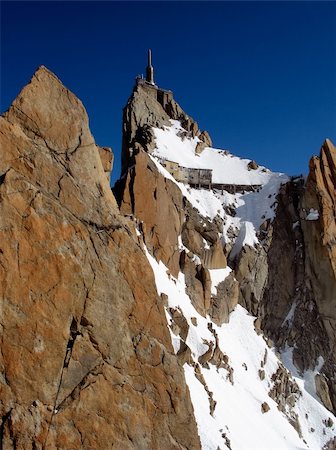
<point x="232" y="405"/>
<point x="252" y="208"/>
<point x="237" y="413"/>
<point x="238" y="417"/>
<point x="227" y="169"/>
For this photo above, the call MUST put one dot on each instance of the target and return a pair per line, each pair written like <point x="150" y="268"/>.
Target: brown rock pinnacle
<point x="86" y="360"/>
<point x="304" y="234"/>
<point x="320" y="247"/>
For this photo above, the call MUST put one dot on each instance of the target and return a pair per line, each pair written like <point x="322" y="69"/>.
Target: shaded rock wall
<point x="289" y="280"/>
<point x="320" y="235"/>
<point x="298" y="307"/>
<point x="320" y="249"/>
<point x="86" y="359"/>
<point x="288" y="302"/>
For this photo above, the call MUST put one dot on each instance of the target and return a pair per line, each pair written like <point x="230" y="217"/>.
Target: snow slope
<point x="227" y="169"/>
<point x="238" y="417"/>
<point x="228" y="399"/>
<point x="251" y="208"/>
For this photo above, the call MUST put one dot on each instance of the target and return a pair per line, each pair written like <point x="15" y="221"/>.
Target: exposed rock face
<point x="205" y="141"/>
<point x="201" y="237"/>
<point x="197" y="281"/>
<point x="151" y="107"/>
<point x="225" y="301"/>
<point x="320" y="249"/>
<point x="157" y="202"/>
<point x="288" y="301"/>
<point x="107" y="157"/>
<point x="290" y="279"/>
<point x="320" y="235"/>
<point x="252" y="165"/>
<point x="301" y="289"/>
<point x="251" y="272"/>
<point x="161" y="220"/>
<point x="86" y="359"/>
<point x="322" y="390"/>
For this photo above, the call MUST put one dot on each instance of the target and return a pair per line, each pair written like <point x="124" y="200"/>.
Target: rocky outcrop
<point x="149" y="107"/>
<point x="320" y="234"/>
<point x="201" y="237"/>
<point x="225" y="301"/>
<point x="320" y="249"/>
<point x="106" y="157"/>
<point x="204" y="141"/>
<point x="198" y="282"/>
<point x="86" y="359"/>
<point x="252" y="165"/>
<point x="162" y="220"/>
<point x="285" y="392"/>
<point x="289" y="280"/>
<point x="301" y="290"/>
<point x="251" y="270"/>
<point x="167" y="218"/>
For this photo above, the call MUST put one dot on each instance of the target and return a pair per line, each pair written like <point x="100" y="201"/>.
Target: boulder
<point x="265" y="407"/>
<point x="252" y="165"/>
<point x="225" y="301"/>
<point x="204" y="141"/>
<point x="322" y="390"/>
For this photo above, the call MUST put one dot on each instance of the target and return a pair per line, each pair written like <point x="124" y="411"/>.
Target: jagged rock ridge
<point x="287" y="298"/>
<point x="86" y="359"/>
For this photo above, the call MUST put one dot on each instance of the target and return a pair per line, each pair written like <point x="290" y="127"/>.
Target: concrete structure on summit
<point x="196" y="178"/>
<point x="202" y="178"/>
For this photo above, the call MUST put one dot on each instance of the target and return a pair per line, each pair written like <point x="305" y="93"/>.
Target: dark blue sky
<point x="259" y="76"/>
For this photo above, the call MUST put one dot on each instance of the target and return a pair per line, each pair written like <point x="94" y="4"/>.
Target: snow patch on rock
<point x="313" y="214"/>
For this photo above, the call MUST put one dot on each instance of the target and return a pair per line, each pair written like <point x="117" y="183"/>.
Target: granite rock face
<point x="167" y="218"/>
<point x="86" y="358"/>
<point x="225" y="301"/>
<point x="320" y="248"/>
<point x="107" y="158"/>
<point x="158" y="204"/>
<point x="298" y="306"/>
<point x="300" y="290"/>
<point x="320" y="234"/>
<point x="149" y="107"/>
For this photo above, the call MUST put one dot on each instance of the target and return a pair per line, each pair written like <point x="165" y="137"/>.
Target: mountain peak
<point x="45" y="106"/>
<point x="199" y="313"/>
<point x="151" y="106"/>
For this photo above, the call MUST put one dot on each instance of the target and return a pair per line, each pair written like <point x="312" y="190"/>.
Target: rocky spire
<point x="150" y="69"/>
<point x="61" y="336"/>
